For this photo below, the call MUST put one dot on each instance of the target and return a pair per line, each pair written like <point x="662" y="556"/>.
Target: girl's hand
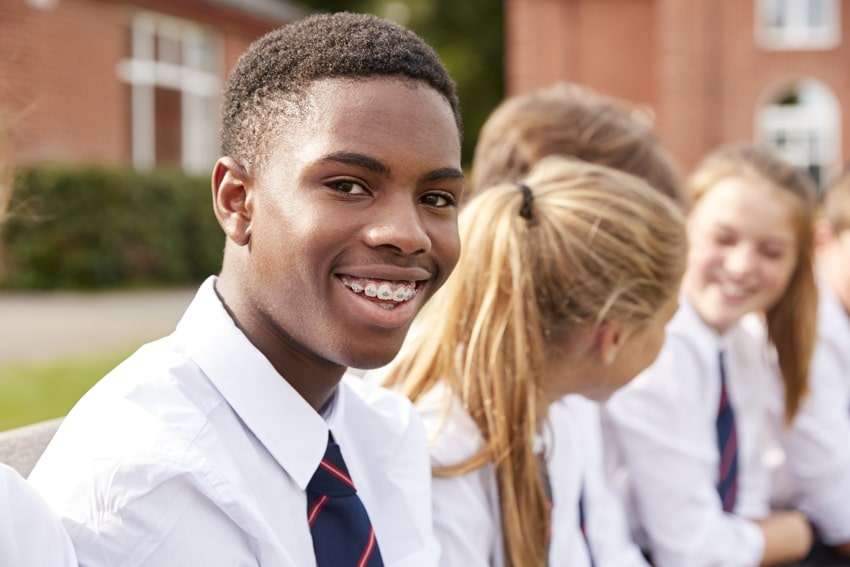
<point x="787" y="537"/>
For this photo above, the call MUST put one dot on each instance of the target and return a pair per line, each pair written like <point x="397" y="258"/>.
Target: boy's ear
<point x="609" y="339"/>
<point x="231" y="199"/>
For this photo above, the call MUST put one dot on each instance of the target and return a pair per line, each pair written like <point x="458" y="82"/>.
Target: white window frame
<point x="199" y="88"/>
<point x="810" y="130"/>
<point x="795" y="30"/>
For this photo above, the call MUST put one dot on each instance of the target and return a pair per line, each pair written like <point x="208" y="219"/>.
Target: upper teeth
<point x="383" y="290"/>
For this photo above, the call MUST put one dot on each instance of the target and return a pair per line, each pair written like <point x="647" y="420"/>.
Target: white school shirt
<point x="606" y="523"/>
<point x="467" y="517"/>
<point x="30" y="532"/>
<point x="664" y="424"/>
<point x="195" y="451"/>
<point x="818" y="444"/>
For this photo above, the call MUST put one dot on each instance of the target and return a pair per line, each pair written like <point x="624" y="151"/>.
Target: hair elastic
<point x="527" y="197"/>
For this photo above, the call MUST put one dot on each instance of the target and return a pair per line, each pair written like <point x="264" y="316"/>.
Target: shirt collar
<point x="687" y="319"/>
<point x="290" y="429"/>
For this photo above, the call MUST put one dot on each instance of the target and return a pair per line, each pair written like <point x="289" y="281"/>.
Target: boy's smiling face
<point x="347" y="226"/>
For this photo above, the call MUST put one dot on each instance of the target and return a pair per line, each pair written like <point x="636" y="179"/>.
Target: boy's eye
<point x="439" y="200"/>
<point x="348" y="186"/>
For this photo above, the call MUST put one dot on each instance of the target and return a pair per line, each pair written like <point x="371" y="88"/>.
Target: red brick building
<point x="122" y="81"/>
<point x="709" y="71"/>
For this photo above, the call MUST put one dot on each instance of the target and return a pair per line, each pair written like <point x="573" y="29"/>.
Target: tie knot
<point x="331" y="477"/>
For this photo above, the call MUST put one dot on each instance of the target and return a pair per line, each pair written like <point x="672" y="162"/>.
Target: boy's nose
<point x="401" y="228"/>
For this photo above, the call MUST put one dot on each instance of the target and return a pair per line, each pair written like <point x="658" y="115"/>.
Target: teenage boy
<point x="337" y="193"/>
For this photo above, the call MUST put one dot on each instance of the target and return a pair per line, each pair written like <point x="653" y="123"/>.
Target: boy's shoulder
<point x="363" y="403"/>
<point x="151" y="407"/>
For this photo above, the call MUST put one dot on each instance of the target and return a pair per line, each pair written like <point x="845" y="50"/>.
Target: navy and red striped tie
<point x="727" y="445"/>
<point x="342" y="533"/>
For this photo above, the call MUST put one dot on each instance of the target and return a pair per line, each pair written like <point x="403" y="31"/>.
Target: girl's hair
<point x="578" y="245"/>
<point x="836" y="203"/>
<point x="569" y="120"/>
<point x="791" y="323"/>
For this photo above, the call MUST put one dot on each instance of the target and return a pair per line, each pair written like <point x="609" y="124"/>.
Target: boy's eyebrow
<point x="370" y="163"/>
<point x="444" y="173"/>
<point x="353" y="158"/>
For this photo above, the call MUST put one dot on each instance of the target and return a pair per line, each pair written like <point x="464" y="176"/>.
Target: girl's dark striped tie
<point x="727" y="445"/>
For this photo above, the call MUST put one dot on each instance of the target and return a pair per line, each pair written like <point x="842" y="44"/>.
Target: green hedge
<point x="96" y="227"/>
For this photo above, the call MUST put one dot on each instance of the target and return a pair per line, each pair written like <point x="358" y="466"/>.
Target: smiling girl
<point x="691" y="429"/>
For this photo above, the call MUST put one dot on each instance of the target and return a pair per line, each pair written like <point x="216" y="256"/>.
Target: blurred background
<point x="137" y="82"/>
<point x="109" y="114"/>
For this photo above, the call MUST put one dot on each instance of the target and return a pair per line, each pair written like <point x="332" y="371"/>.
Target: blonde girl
<point x="564" y="286"/>
<point x="691" y="429"/>
<point x="569" y="119"/>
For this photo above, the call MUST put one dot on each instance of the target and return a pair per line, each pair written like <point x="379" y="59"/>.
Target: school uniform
<point x="818" y="444"/>
<point x="606" y="524"/>
<point x="467" y="515"/>
<point x="665" y="427"/>
<point x="195" y="451"/>
<point x="30" y="532"/>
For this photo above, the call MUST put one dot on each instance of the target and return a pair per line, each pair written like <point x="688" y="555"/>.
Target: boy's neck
<point x="314" y="378"/>
<point x="316" y="386"/>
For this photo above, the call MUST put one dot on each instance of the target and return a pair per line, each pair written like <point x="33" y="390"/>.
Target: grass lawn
<point x="31" y="392"/>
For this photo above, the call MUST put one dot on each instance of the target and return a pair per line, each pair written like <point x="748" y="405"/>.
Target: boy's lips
<point x="385" y="296"/>
<point x="383" y="290"/>
<point x="383" y="304"/>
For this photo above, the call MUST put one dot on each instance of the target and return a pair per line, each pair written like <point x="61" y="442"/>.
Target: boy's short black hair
<point x="271" y="77"/>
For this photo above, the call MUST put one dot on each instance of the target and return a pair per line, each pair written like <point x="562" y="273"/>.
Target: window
<point x="798" y="24"/>
<point x="802" y="123"/>
<point x="173" y="73"/>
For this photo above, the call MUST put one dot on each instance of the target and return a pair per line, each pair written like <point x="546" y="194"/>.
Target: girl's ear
<point x="823" y="232"/>
<point x="232" y="199"/>
<point x="609" y="339"/>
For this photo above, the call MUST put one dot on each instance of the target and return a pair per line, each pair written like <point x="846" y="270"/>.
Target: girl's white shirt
<point x="467" y="517"/>
<point x="607" y="526"/>
<point x="664" y="444"/>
